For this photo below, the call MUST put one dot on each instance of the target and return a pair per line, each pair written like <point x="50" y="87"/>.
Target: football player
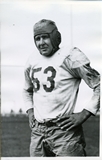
<point x="52" y="80"/>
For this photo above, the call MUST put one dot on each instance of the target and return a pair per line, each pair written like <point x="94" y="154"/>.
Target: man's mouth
<point x="43" y="49"/>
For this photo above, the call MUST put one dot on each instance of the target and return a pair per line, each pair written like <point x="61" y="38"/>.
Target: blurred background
<point x="80" y="24"/>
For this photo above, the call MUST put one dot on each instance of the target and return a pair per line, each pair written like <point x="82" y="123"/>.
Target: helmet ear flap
<point x="55" y="38"/>
<point x="58" y="37"/>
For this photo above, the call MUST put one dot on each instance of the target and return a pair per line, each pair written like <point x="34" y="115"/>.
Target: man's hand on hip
<point x="73" y="120"/>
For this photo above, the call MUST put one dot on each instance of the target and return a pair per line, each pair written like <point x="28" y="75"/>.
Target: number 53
<point x="36" y="82"/>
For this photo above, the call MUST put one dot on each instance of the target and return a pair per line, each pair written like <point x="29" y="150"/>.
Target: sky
<point x="79" y="23"/>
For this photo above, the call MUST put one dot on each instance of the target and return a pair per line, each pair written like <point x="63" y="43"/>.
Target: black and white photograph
<point x="51" y="64"/>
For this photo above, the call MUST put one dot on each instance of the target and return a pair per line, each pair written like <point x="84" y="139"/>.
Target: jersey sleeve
<point x="28" y="88"/>
<point x="79" y="66"/>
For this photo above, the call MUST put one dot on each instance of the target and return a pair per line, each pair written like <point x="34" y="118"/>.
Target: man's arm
<point x="28" y="96"/>
<point x="30" y="113"/>
<point x="92" y="78"/>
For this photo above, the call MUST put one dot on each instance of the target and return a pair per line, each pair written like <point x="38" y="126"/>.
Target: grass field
<point x="15" y="137"/>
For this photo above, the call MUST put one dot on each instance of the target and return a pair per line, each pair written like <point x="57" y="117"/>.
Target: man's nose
<point x="42" y="41"/>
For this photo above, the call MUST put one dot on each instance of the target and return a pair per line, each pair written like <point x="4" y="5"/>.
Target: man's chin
<point x="45" y="54"/>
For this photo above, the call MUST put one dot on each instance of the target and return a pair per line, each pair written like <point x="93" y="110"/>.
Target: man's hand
<point x="31" y="118"/>
<point x="73" y="120"/>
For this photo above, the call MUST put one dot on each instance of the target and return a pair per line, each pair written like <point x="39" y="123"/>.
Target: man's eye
<point x="45" y="36"/>
<point x="37" y="38"/>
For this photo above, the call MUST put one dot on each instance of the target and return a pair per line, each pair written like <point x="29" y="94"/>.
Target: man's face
<point x="43" y="44"/>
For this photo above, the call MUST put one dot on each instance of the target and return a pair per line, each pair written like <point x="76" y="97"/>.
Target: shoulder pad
<point x="78" y="58"/>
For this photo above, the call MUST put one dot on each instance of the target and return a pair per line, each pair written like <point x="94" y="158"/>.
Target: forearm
<point x="30" y="113"/>
<point x="85" y="114"/>
<point x="92" y="79"/>
<point x="28" y="99"/>
<point x="94" y="104"/>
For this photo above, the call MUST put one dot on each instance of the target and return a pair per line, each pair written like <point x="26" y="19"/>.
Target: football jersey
<point x="52" y="83"/>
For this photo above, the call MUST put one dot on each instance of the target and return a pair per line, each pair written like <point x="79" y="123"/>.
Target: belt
<point x="47" y="124"/>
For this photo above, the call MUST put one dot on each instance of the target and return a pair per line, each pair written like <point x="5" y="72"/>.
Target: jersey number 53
<point x="36" y="81"/>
